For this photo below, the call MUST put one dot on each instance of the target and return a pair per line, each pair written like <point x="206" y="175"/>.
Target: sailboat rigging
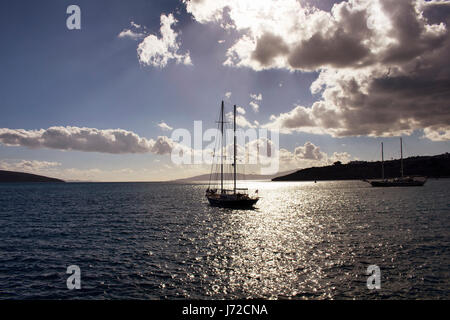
<point x="227" y="198"/>
<point x="401" y="181"/>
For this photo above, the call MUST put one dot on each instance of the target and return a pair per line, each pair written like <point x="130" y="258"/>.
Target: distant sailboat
<point x="229" y="198"/>
<point x="401" y="181"/>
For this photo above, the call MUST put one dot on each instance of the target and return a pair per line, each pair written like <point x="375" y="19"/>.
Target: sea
<point x="303" y="240"/>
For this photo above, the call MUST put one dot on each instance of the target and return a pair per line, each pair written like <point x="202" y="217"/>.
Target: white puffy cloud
<point x="308" y="151"/>
<point x="127" y="33"/>
<point x="254" y="106"/>
<point x="383" y="64"/>
<point x="157" y="52"/>
<point x="164" y="126"/>
<point x="303" y="156"/>
<point x="240" y="110"/>
<point x="255" y="103"/>
<point x="309" y="155"/>
<point x="343" y="157"/>
<point x="135" y="32"/>
<point x="437" y="134"/>
<point x="241" y="121"/>
<point x="115" y="141"/>
<point x="162" y="145"/>
<point x="257" y="97"/>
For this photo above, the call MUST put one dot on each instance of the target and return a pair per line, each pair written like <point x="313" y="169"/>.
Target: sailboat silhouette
<point x="402" y="181"/>
<point x="229" y="198"/>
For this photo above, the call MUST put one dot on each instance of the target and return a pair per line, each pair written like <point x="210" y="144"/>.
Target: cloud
<point x="254" y="106"/>
<point x="27" y="165"/>
<point x="309" y="155"/>
<point x="257" y="97"/>
<point x="157" y="52"/>
<point x="135" y="25"/>
<point x="299" y="117"/>
<point x="241" y="121"/>
<point x="343" y="157"/>
<point x="228" y="95"/>
<point x="383" y="64"/>
<point x="158" y="171"/>
<point x="163" y="145"/>
<point x="127" y="33"/>
<point x="290" y="34"/>
<point x="114" y="141"/>
<point x="268" y="47"/>
<point x="320" y="51"/>
<point x="136" y="32"/>
<point x="240" y="110"/>
<point x="164" y="126"/>
<point x="437" y="134"/>
<point x="309" y="151"/>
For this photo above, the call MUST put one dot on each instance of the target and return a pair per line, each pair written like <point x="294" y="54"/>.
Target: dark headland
<point x="12" y="176"/>
<point x="430" y="166"/>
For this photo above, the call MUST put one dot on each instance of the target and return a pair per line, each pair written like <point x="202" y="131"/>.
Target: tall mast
<point x="221" y="161"/>
<point x="382" y="161"/>
<point x="401" y="156"/>
<point x="234" y="145"/>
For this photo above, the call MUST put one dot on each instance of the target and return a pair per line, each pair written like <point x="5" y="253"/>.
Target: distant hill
<point x="229" y="176"/>
<point x="430" y="166"/>
<point x="12" y="176"/>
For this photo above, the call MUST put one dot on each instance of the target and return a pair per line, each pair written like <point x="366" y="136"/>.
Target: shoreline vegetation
<point x="430" y="166"/>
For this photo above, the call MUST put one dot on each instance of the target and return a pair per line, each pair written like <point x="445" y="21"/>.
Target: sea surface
<point x="304" y="240"/>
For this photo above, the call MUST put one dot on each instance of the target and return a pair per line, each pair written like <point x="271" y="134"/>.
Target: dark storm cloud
<point x="268" y="47"/>
<point x="407" y="89"/>
<point x="410" y="33"/>
<point x="340" y="50"/>
<point x="437" y="12"/>
<point x="383" y="64"/>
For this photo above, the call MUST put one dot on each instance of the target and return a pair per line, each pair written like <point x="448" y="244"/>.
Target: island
<point x="430" y="166"/>
<point x="13" y="176"/>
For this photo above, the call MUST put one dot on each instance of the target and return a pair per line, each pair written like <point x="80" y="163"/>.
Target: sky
<point x="337" y="78"/>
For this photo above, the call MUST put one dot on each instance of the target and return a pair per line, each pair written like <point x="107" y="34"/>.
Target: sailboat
<point x="402" y="181"/>
<point x="229" y="198"/>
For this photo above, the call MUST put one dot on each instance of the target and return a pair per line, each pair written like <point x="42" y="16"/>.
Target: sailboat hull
<point x="244" y="203"/>
<point x="397" y="182"/>
<point x="229" y="198"/>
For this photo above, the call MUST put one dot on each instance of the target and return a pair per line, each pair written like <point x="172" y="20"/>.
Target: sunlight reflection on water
<point x="303" y="241"/>
<point x="306" y="240"/>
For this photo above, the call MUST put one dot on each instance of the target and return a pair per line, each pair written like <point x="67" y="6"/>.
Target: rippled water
<point x="162" y="241"/>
